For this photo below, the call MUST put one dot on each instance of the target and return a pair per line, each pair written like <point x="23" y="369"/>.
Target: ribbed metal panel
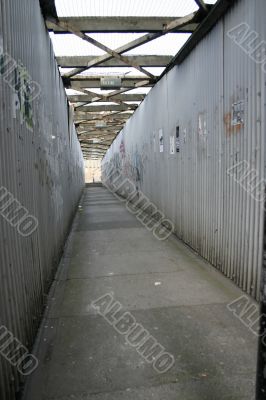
<point x="212" y="213"/>
<point x="43" y="169"/>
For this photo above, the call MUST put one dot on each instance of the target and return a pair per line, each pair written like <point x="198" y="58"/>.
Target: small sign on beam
<point x="111" y="82"/>
<point x="100" y="124"/>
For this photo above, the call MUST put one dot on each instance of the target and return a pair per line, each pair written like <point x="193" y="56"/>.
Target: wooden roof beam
<point x="110" y="107"/>
<point x="119" y="24"/>
<point x="103" y="47"/>
<point x="123" y="97"/>
<point x="202" y="6"/>
<point x="174" y="24"/>
<point x="83" y="116"/>
<point x="144" y="61"/>
<point x="94" y="83"/>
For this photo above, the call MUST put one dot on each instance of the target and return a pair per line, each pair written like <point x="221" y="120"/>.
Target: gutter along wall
<point x="41" y="169"/>
<point x="215" y="102"/>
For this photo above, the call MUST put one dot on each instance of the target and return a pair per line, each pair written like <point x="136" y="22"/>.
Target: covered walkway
<point x="174" y="294"/>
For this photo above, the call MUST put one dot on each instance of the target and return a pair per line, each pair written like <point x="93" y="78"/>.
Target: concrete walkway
<point x="176" y="296"/>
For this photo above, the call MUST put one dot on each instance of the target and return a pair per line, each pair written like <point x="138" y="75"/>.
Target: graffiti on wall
<point x="22" y="96"/>
<point x="130" y="162"/>
<point x="25" y="90"/>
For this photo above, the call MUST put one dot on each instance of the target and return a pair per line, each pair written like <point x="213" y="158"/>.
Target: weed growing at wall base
<point x="134" y="333"/>
<point x="15" y="214"/>
<point x="15" y="353"/>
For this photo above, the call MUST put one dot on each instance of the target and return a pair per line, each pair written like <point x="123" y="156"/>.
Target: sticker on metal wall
<point x="172" y="145"/>
<point x="234" y="120"/>
<point x="238" y="113"/>
<point x="177" y="135"/>
<point x="184" y="135"/>
<point x="154" y="141"/>
<point x="202" y="124"/>
<point x="161" y="140"/>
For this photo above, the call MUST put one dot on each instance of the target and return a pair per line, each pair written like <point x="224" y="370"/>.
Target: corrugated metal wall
<point x="43" y="169"/>
<point x="210" y="210"/>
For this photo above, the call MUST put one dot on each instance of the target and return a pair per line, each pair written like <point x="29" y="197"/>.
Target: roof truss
<point x="121" y="24"/>
<point x="99" y="117"/>
<point x="144" y="61"/>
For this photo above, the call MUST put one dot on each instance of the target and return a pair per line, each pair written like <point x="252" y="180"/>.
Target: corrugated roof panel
<point x="119" y="8"/>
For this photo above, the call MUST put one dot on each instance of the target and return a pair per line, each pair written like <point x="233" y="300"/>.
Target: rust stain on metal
<point x="229" y="128"/>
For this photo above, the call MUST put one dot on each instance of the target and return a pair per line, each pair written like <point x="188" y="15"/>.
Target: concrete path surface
<point x="173" y="295"/>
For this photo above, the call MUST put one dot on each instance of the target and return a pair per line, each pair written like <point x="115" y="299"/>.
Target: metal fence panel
<point x="41" y="165"/>
<point x="216" y="100"/>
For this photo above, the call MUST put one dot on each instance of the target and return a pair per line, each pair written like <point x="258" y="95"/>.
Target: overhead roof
<point x="125" y="8"/>
<point x="131" y="40"/>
